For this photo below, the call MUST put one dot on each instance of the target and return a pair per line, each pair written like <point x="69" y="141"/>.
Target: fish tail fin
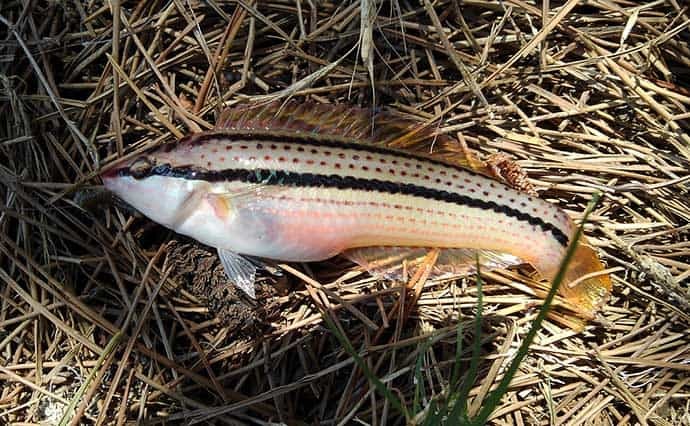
<point x="585" y="285"/>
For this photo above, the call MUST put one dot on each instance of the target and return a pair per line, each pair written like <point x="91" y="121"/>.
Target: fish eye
<point x="140" y="168"/>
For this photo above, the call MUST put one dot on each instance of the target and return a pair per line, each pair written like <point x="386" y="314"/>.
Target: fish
<point x="303" y="182"/>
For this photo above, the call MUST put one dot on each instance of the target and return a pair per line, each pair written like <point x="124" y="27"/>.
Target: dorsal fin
<point x="367" y="126"/>
<point x="359" y="125"/>
<point x="308" y="117"/>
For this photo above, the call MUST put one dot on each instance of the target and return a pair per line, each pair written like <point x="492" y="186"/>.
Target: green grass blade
<point x="455" y="375"/>
<point x="375" y="381"/>
<point x="434" y="417"/>
<point x="494" y="397"/>
<point x="419" y="385"/>
<point x="476" y="344"/>
<point x="109" y="348"/>
<point x="458" y="413"/>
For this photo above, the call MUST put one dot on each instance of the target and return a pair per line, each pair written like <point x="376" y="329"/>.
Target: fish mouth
<point x="110" y="173"/>
<point x="117" y="169"/>
<point x="114" y="172"/>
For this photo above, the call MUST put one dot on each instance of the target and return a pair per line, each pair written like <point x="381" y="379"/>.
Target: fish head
<point x="150" y="186"/>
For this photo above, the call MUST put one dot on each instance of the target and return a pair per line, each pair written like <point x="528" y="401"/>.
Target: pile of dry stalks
<point x="104" y="320"/>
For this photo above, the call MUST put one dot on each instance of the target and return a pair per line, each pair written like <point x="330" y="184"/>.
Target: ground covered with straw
<point x="108" y="318"/>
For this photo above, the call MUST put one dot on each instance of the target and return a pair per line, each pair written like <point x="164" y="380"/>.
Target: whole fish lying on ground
<point x="307" y="182"/>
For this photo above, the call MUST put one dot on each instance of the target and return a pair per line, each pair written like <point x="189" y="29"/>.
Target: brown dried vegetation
<point x="99" y="309"/>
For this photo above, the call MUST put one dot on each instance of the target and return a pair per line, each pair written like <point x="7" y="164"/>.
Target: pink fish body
<point x="296" y="195"/>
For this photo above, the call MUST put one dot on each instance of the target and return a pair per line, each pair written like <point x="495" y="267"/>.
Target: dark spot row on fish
<point x="312" y="140"/>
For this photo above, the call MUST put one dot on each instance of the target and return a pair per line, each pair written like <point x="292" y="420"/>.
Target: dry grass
<point x="95" y="311"/>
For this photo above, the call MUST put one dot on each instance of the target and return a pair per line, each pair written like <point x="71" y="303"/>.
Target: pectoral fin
<point x="239" y="270"/>
<point x="390" y="262"/>
<point x="224" y="203"/>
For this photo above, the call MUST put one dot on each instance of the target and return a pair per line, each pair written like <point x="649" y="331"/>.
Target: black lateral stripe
<point x="311" y="180"/>
<point x="312" y="140"/>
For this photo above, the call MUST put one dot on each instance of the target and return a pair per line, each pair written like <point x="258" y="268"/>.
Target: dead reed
<point x="99" y="310"/>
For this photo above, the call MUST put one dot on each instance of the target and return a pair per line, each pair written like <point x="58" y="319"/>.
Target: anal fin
<point x="396" y="262"/>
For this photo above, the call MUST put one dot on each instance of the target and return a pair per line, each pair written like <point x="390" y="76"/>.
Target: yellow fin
<point x="585" y="285"/>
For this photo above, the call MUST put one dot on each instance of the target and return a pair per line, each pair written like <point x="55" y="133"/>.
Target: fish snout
<point x="110" y="174"/>
<point x="138" y="168"/>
